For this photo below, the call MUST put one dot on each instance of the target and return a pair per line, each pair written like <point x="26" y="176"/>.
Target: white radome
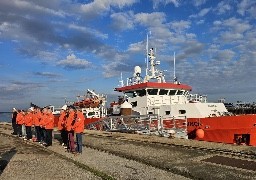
<point x="126" y="105"/>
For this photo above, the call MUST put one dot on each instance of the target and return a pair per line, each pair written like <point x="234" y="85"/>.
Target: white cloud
<point x="123" y="21"/>
<point x="136" y="47"/>
<point x="179" y="26"/>
<point x="150" y="19"/>
<point x="217" y="23"/>
<point x="198" y="2"/>
<point x="222" y="7"/>
<point x="244" y="6"/>
<point x="85" y="29"/>
<point x="99" y="7"/>
<point x="237" y="25"/>
<point x="72" y="62"/>
<point x="202" y="13"/>
<point x="156" y="3"/>
<point x="200" y="21"/>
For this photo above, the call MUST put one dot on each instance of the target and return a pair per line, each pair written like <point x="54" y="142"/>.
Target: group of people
<point x="70" y="123"/>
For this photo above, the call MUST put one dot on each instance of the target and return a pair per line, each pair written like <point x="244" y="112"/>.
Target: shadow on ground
<point x="5" y="158"/>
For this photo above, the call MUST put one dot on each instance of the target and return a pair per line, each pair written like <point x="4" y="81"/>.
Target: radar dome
<point x="126" y="105"/>
<point x="137" y="70"/>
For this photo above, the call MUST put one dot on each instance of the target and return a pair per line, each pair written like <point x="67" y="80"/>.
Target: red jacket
<point x="37" y="118"/>
<point x="79" y="123"/>
<point x="49" y="121"/>
<point x="28" y="119"/>
<point x="61" y="122"/>
<point x="43" y="119"/>
<point x="20" y="118"/>
<point x="69" y="121"/>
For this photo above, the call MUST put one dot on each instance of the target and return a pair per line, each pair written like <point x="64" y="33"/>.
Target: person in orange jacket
<point x="61" y="126"/>
<point x="28" y="121"/>
<point x="79" y="129"/>
<point x="36" y="119"/>
<point x="69" y="127"/>
<point x="49" y="125"/>
<point x="42" y="127"/>
<point x="19" y="122"/>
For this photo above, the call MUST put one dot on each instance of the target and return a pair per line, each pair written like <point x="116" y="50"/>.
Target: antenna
<point x="121" y="80"/>
<point x="147" y="56"/>
<point x="174" y="75"/>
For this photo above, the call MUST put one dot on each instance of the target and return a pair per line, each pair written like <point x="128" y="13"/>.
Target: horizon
<point x="55" y="50"/>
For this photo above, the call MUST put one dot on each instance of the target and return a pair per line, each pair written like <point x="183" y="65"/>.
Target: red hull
<point x="225" y="129"/>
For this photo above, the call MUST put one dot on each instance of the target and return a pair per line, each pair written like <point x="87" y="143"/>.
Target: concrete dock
<point x="109" y="155"/>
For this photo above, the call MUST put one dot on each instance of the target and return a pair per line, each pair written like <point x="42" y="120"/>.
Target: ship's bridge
<point x="153" y="94"/>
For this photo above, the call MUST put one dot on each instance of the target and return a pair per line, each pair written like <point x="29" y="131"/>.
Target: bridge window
<point x="130" y="94"/>
<point x="91" y="113"/>
<point x="167" y="112"/>
<point x="152" y="91"/>
<point x="180" y="92"/>
<point x="163" y="92"/>
<point x="134" y="104"/>
<point x="182" y="111"/>
<point x="141" y="92"/>
<point x="172" y="92"/>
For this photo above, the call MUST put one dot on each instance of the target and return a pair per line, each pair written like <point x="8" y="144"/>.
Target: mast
<point x="174" y="75"/>
<point x="121" y="80"/>
<point x="147" y="55"/>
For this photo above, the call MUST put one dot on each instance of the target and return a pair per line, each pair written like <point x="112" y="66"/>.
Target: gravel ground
<point x="132" y="156"/>
<point x="35" y="165"/>
<point x="27" y="162"/>
<point x="178" y="160"/>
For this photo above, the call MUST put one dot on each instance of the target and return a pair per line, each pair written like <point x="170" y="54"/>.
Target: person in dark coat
<point x="14" y="125"/>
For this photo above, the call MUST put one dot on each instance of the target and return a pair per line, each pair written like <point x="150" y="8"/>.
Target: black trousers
<point x="19" y="130"/>
<point x="43" y="134"/>
<point x="38" y="133"/>
<point x="29" y="132"/>
<point x="64" y="137"/>
<point x="14" y="126"/>
<point x="48" y="137"/>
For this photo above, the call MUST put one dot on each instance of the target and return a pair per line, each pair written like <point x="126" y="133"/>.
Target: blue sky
<point x="56" y="49"/>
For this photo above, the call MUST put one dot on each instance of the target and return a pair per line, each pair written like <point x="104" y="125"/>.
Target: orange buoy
<point x="200" y="133"/>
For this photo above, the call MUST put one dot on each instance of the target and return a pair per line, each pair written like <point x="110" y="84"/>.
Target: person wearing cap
<point x="79" y="129"/>
<point x="28" y="123"/>
<point x="14" y="125"/>
<point x="69" y="127"/>
<point x="61" y="126"/>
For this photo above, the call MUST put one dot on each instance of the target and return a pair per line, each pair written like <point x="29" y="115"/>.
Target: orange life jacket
<point x="20" y="118"/>
<point x="49" y="121"/>
<point x="61" y="122"/>
<point x="70" y="120"/>
<point x="43" y="120"/>
<point x="36" y="118"/>
<point x="79" y="123"/>
<point x="28" y="119"/>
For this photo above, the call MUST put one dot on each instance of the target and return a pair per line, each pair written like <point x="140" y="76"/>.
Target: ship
<point x="92" y="105"/>
<point x="179" y="109"/>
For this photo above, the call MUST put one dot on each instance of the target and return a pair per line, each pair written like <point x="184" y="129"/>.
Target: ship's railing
<point x="145" y="124"/>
